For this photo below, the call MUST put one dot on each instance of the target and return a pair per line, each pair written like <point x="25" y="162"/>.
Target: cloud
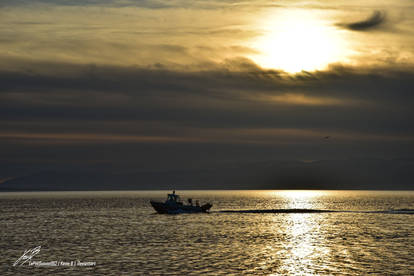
<point x="146" y="4"/>
<point x="154" y="4"/>
<point x="232" y="95"/>
<point x="375" y="20"/>
<point x="150" y="118"/>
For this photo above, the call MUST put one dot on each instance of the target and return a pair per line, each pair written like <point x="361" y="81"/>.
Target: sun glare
<point x="296" y="40"/>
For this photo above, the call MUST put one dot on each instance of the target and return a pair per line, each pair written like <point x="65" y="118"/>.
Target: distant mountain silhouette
<point x="396" y="174"/>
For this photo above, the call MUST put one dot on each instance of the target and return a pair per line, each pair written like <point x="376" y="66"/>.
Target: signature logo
<point x="30" y="253"/>
<point x="27" y="256"/>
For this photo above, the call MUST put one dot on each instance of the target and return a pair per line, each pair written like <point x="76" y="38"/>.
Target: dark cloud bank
<point x="70" y="127"/>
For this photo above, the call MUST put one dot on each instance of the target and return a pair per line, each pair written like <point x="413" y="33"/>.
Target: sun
<point x="297" y="41"/>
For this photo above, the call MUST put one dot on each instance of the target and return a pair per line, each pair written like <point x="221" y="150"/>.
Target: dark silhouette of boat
<point x="173" y="205"/>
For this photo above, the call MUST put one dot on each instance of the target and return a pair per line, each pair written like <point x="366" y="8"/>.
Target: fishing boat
<point x="173" y="205"/>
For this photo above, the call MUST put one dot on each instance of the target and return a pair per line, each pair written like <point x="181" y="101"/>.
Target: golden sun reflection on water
<point x="302" y="251"/>
<point x="299" y="199"/>
<point x="304" y="248"/>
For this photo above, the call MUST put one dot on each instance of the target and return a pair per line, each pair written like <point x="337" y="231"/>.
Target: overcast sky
<point x="158" y="85"/>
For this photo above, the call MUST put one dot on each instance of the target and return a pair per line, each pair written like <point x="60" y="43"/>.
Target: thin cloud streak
<point x="259" y="136"/>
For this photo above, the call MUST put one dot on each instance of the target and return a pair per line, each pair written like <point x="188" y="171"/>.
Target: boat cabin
<point x="173" y="197"/>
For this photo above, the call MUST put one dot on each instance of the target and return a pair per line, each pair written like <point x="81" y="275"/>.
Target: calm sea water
<point x="372" y="232"/>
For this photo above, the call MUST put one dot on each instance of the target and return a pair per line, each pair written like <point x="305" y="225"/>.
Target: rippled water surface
<point x="370" y="232"/>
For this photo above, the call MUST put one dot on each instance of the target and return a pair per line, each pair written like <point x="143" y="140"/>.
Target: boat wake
<point x="394" y="211"/>
<point x="277" y="211"/>
<point x="301" y="211"/>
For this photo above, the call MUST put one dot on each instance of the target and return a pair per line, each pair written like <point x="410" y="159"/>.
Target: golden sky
<point x="284" y="35"/>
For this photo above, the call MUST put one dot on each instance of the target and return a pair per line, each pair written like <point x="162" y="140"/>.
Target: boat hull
<point x="164" y="208"/>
